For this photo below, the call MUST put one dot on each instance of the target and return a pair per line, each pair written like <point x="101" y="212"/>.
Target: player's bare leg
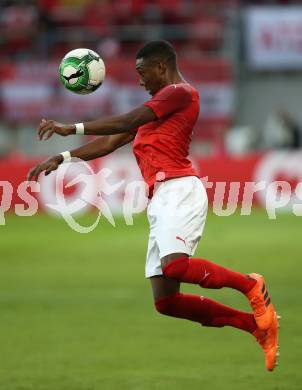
<point x="210" y="275"/>
<point x="164" y="287"/>
<point x="169" y="301"/>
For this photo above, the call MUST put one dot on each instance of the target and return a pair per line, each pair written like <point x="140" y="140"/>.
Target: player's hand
<point x="47" y="166"/>
<point x="47" y="128"/>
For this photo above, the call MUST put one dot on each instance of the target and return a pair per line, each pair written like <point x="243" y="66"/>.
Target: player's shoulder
<point x="183" y="89"/>
<point x="190" y="89"/>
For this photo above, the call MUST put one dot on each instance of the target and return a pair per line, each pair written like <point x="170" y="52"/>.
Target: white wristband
<point x="79" y="128"/>
<point x="66" y="156"/>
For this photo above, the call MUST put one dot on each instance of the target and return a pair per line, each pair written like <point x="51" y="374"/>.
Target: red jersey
<point x="161" y="147"/>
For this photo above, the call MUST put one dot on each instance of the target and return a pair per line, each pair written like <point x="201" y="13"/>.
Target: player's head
<point x="154" y="62"/>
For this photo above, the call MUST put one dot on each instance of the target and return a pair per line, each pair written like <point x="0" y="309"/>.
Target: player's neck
<point x="174" y="78"/>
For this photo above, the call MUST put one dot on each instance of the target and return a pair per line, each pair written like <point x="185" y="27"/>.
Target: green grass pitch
<point x="76" y="312"/>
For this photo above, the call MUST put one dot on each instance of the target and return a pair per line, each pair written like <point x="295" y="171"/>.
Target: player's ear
<point x="162" y="67"/>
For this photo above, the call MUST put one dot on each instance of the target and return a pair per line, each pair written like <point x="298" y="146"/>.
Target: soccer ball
<point x="82" y="71"/>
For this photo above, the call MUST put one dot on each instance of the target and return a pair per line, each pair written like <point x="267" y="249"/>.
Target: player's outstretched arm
<point x="120" y="123"/>
<point x="97" y="148"/>
<point x="106" y="126"/>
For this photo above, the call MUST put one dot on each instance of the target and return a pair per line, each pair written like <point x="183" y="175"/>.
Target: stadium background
<point x="76" y="310"/>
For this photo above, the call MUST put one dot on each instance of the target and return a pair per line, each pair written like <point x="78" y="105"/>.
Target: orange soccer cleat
<point x="260" y="301"/>
<point x="268" y="340"/>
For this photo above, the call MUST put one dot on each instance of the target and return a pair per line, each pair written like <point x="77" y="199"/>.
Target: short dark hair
<point x="158" y="50"/>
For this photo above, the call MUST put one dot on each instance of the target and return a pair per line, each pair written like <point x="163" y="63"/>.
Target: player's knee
<point x="167" y="305"/>
<point x="176" y="268"/>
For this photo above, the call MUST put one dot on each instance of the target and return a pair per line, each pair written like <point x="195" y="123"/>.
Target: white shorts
<point x="177" y="214"/>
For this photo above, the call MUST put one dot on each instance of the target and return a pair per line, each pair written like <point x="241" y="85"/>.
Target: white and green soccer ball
<point x="82" y="71"/>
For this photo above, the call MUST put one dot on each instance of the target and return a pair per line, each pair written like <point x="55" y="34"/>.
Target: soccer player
<point x="161" y="129"/>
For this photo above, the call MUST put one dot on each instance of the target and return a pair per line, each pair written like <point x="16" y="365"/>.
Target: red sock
<point x="207" y="274"/>
<point x="205" y="311"/>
